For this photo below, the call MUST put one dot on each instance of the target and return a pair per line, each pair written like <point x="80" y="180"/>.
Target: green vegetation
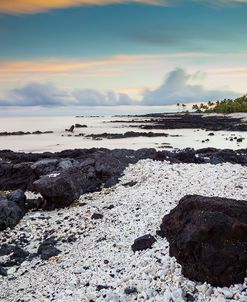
<point x="225" y="106"/>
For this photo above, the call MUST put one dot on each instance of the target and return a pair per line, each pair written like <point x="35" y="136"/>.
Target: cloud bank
<point x="175" y="88"/>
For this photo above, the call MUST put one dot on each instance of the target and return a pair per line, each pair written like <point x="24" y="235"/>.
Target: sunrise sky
<point x="66" y="56"/>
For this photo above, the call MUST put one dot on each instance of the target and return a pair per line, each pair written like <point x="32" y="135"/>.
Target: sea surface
<point x="60" y="140"/>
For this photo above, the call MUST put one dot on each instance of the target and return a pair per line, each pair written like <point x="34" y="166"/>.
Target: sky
<point x="66" y="56"/>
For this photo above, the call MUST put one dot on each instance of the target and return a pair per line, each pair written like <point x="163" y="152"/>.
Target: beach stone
<point x="97" y="216"/>
<point x="47" y="249"/>
<point x="130" y="290"/>
<point x="143" y="243"/>
<point x="10" y="214"/>
<point x="208" y="237"/>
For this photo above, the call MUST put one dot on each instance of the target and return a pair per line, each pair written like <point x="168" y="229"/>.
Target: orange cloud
<point x="63" y="67"/>
<point x="36" y="6"/>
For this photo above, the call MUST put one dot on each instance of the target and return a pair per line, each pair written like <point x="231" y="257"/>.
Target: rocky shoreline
<point x="5" y="133"/>
<point x="186" y="121"/>
<point x="84" y="252"/>
<point x="98" y="212"/>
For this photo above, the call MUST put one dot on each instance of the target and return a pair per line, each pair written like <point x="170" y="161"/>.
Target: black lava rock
<point x="208" y="237"/>
<point x="97" y="216"/>
<point x="143" y="243"/>
<point x="10" y="214"/>
<point x="47" y="249"/>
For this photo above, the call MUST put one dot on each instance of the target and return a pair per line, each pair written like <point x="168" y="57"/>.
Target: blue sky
<point x="121" y="54"/>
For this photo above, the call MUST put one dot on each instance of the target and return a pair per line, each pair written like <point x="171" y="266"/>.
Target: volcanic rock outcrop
<point x="208" y="237"/>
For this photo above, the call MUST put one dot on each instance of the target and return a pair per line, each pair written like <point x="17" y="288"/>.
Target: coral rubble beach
<point x="87" y="228"/>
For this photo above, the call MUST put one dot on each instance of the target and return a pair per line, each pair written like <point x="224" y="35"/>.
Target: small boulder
<point x="60" y="190"/>
<point x="71" y="129"/>
<point x="47" y="249"/>
<point x="10" y="214"/>
<point x="80" y="126"/>
<point x="97" y="216"/>
<point x="208" y="237"/>
<point x="143" y="243"/>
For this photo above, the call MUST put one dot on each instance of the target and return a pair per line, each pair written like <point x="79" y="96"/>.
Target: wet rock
<point x="80" y="126"/>
<point x="127" y="134"/>
<point x="143" y="243"/>
<point x="239" y="140"/>
<point x="208" y="237"/>
<point x="71" y="129"/>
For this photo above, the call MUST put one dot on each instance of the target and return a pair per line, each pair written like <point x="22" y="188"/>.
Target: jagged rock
<point x="71" y="129"/>
<point x="143" y="243"/>
<point x="60" y="190"/>
<point x="208" y="237"/>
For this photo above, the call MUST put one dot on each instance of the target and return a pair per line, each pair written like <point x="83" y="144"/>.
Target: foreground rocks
<point x="96" y="261"/>
<point x="63" y="176"/>
<point x="208" y="237"/>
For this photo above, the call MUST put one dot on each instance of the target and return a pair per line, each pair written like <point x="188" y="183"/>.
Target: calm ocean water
<point x="59" y="140"/>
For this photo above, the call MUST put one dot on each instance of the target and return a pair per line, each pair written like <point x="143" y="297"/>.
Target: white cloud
<point x="176" y="88"/>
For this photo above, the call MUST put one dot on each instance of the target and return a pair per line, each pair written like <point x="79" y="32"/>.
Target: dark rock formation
<point x="126" y="135"/>
<point x="208" y="237"/>
<point x="11" y="209"/>
<point x="80" y="126"/>
<point x="71" y="129"/>
<point x="192" y="121"/>
<point x="87" y="170"/>
<point x="5" y="133"/>
<point x="97" y="216"/>
<point x="143" y="243"/>
<point x="14" y="256"/>
<point x="60" y="190"/>
<point x="47" y="249"/>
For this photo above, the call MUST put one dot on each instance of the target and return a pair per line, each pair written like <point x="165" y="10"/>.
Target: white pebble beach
<point x="102" y="254"/>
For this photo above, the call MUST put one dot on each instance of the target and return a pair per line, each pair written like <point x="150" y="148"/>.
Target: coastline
<point x="115" y="196"/>
<point x="97" y="263"/>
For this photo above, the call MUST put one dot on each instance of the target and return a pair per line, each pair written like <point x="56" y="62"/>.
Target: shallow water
<point x="56" y="142"/>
